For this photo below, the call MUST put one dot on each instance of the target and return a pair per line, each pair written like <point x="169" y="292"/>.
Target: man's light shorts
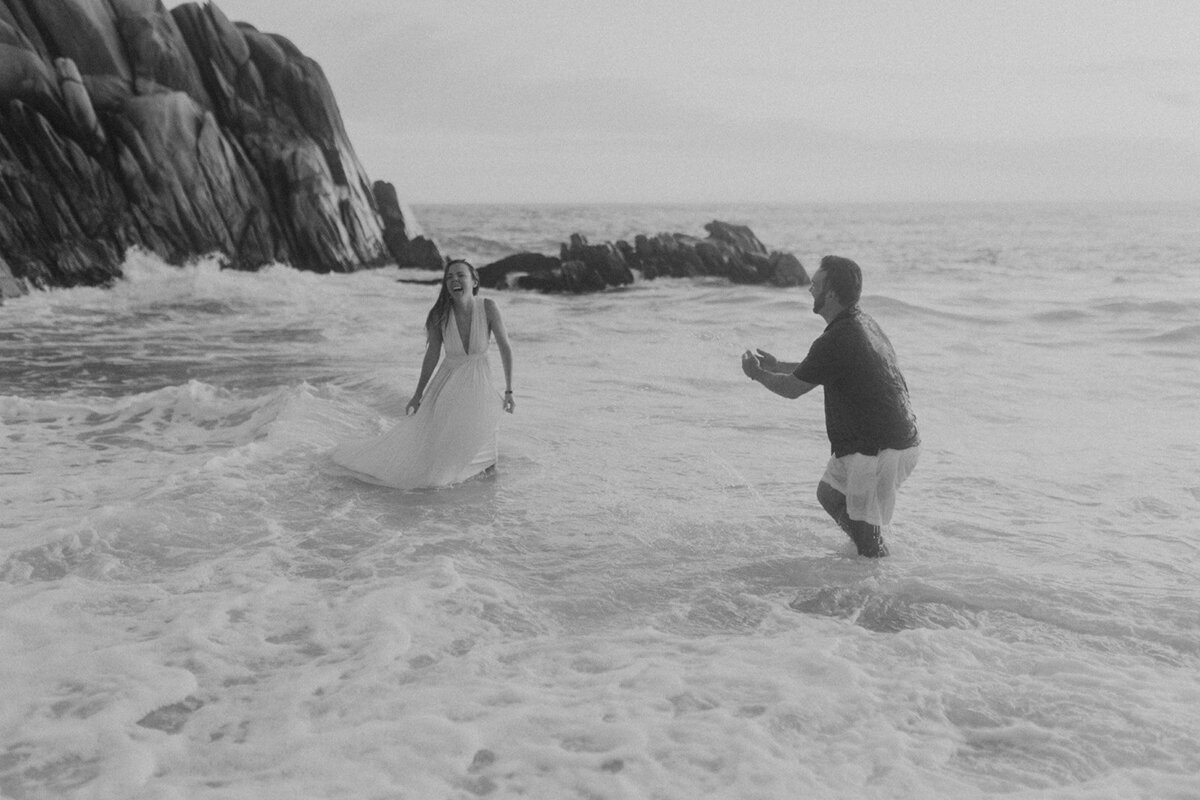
<point x="870" y="482"/>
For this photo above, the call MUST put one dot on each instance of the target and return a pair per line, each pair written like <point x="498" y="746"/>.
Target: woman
<point x="449" y="433"/>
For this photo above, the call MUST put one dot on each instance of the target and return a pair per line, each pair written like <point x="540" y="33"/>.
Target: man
<point x="871" y="427"/>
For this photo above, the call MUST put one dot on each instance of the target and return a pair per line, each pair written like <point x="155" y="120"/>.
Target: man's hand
<point x="767" y="361"/>
<point x="751" y="365"/>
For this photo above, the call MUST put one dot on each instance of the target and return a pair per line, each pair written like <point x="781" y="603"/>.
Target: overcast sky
<point x="760" y="100"/>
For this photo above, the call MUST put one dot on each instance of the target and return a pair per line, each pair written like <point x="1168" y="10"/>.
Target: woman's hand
<point x="509" y="403"/>
<point x="413" y="405"/>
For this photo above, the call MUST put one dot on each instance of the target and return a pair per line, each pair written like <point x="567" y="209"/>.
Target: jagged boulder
<point x="419" y="252"/>
<point x="407" y="250"/>
<point x="124" y="124"/>
<point x="738" y="237"/>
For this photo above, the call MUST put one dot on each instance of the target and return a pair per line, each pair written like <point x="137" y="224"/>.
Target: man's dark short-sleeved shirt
<point x="866" y="398"/>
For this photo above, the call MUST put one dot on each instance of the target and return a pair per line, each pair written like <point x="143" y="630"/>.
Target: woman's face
<point x="459" y="281"/>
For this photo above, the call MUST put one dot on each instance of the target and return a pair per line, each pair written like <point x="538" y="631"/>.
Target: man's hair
<point x="844" y="277"/>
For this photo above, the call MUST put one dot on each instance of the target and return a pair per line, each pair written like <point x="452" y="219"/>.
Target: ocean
<point x="645" y="600"/>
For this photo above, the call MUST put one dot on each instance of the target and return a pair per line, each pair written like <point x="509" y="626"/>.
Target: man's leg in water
<point x="866" y="537"/>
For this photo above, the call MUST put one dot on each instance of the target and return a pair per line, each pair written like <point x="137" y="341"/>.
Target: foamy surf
<point x="645" y="599"/>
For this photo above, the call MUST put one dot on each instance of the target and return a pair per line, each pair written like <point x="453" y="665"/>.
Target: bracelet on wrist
<point x="509" y="391"/>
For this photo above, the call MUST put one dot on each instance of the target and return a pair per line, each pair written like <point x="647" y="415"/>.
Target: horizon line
<point x="843" y="202"/>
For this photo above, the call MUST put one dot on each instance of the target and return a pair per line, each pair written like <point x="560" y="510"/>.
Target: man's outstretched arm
<point x="782" y="384"/>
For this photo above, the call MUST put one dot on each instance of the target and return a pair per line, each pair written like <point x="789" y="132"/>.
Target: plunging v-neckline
<point x="465" y="340"/>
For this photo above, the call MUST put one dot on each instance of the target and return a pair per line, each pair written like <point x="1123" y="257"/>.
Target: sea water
<point x="645" y="600"/>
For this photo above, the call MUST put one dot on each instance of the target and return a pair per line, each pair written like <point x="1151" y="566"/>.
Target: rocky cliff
<point x="123" y="124"/>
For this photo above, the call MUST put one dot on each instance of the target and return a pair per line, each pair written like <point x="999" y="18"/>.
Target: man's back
<point x="867" y="406"/>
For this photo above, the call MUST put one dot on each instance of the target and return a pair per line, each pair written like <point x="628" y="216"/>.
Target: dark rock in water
<point x="419" y="252"/>
<point x="786" y="270"/>
<point x="571" y="273"/>
<point x="495" y="275"/>
<point x="729" y="251"/>
<point x="408" y="251"/>
<point x="667" y="255"/>
<point x="123" y="124"/>
<point x="738" y="237"/>
<point x="570" y="276"/>
<point x="604" y="262"/>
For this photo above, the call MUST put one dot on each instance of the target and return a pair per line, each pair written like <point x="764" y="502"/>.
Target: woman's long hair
<point x="441" y="306"/>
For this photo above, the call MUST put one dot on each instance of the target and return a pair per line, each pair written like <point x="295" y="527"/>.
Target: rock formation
<point x="126" y="125"/>
<point x="409" y="250"/>
<point x="729" y="251"/>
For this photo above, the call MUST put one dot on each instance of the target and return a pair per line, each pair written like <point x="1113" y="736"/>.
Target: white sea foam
<point x="646" y="600"/>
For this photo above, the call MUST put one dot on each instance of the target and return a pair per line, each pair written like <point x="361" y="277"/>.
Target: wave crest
<point x="193" y="415"/>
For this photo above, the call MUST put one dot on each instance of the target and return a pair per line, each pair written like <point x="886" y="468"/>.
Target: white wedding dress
<point x="452" y="436"/>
